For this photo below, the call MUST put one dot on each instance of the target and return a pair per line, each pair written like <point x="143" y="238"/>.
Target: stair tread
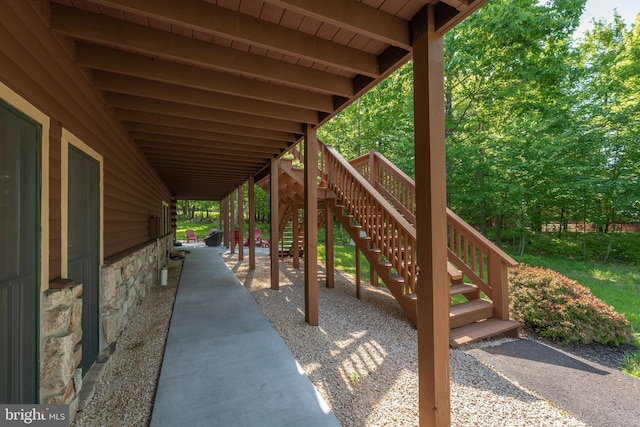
<point x="462" y="288"/>
<point x="480" y="330"/>
<point x="469" y="307"/>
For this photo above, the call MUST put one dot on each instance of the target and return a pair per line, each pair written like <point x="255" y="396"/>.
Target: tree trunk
<point x="522" y="240"/>
<point x="561" y="222"/>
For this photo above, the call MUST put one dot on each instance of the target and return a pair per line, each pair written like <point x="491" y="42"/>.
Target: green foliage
<point x="560" y="309"/>
<point x="200" y="228"/>
<point x="590" y="247"/>
<point x="632" y="361"/>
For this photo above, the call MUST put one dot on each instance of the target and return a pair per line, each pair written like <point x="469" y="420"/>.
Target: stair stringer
<point x="394" y="283"/>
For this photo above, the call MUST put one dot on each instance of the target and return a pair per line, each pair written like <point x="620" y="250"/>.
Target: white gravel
<point x="362" y="359"/>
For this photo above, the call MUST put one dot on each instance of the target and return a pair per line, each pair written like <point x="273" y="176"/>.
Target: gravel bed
<point x="362" y="358"/>
<point x="125" y="392"/>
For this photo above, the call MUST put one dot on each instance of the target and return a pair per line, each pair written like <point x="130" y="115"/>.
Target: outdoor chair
<point x="191" y="236"/>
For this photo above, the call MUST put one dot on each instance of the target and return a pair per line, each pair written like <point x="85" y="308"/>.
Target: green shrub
<point x="562" y="310"/>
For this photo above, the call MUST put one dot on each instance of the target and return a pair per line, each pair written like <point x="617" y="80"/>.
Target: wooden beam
<point x="310" y="226"/>
<point x="190" y="160"/>
<point x="203" y="125"/>
<point x="113" y="32"/>
<point x="275" y="225"/>
<point x="118" y="83"/>
<point x="431" y="228"/>
<point x="117" y="61"/>
<point x="195" y="112"/>
<point x="181" y="141"/>
<point x="219" y="152"/>
<point x="355" y="16"/>
<point x="252" y="223"/>
<point x="247" y="29"/>
<point x="259" y="144"/>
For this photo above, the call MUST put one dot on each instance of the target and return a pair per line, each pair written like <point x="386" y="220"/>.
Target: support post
<point x="232" y="221"/>
<point x="310" y="226"/>
<point x="274" y="231"/>
<point x="357" y="273"/>
<point x="328" y="246"/>
<point x="241" y="222"/>
<point x="295" y="226"/>
<point x="373" y="276"/>
<point x="252" y="223"/>
<point x="227" y="227"/>
<point x="431" y="223"/>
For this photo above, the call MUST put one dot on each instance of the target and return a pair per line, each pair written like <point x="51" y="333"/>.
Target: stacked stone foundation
<point x="123" y="286"/>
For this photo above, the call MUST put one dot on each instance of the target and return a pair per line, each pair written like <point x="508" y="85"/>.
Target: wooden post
<point x="373" y="169"/>
<point x="274" y="231"/>
<point x="232" y="221"/>
<point x="373" y="276"/>
<point x="241" y="222"/>
<point x="431" y="222"/>
<point x="328" y="246"/>
<point x="310" y="226"/>
<point x="227" y="226"/>
<point x="295" y="226"/>
<point x="357" y="273"/>
<point x="252" y="223"/>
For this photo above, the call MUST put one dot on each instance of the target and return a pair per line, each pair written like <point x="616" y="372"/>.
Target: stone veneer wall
<point x="123" y="286"/>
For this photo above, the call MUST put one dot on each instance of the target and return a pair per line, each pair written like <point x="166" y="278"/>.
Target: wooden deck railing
<point x="389" y="231"/>
<point x="477" y="257"/>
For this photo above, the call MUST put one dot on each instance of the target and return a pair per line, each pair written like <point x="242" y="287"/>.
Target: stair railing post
<point x="373" y="169"/>
<point x="497" y="277"/>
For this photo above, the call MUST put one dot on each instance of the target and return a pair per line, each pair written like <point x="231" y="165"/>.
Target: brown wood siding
<point x="55" y="211"/>
<point x="37" y="66"/>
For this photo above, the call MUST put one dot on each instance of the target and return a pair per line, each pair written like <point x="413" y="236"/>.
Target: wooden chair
<point x="191" y="236"/>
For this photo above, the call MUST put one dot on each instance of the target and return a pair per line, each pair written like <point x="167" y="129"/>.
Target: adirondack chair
<point x="191" y="236"/>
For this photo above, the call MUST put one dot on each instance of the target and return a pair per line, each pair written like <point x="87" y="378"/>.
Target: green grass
<point x="200" y="228"/>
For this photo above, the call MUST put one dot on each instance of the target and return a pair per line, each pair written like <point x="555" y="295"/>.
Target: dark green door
<point x="83" y="246"/>
<point x="19" y="259"/>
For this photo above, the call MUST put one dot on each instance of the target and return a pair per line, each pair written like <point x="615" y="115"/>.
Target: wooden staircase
<point x="375" y="203"/>
<point x="477" y="269"/>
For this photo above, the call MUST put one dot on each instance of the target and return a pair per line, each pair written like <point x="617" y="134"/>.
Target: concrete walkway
<point x="224" y="364"/>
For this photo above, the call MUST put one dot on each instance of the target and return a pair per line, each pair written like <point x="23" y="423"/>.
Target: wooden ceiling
<point x="210" y="91"/>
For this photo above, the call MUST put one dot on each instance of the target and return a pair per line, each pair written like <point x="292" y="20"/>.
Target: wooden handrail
<point x="381" y="199"/>
<point x="484" y="263"/>
<point x="390" y="232"/>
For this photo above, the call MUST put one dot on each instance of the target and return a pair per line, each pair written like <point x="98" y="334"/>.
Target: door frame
<point x="67" y="139"/>
<point x="23" y="106"/>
